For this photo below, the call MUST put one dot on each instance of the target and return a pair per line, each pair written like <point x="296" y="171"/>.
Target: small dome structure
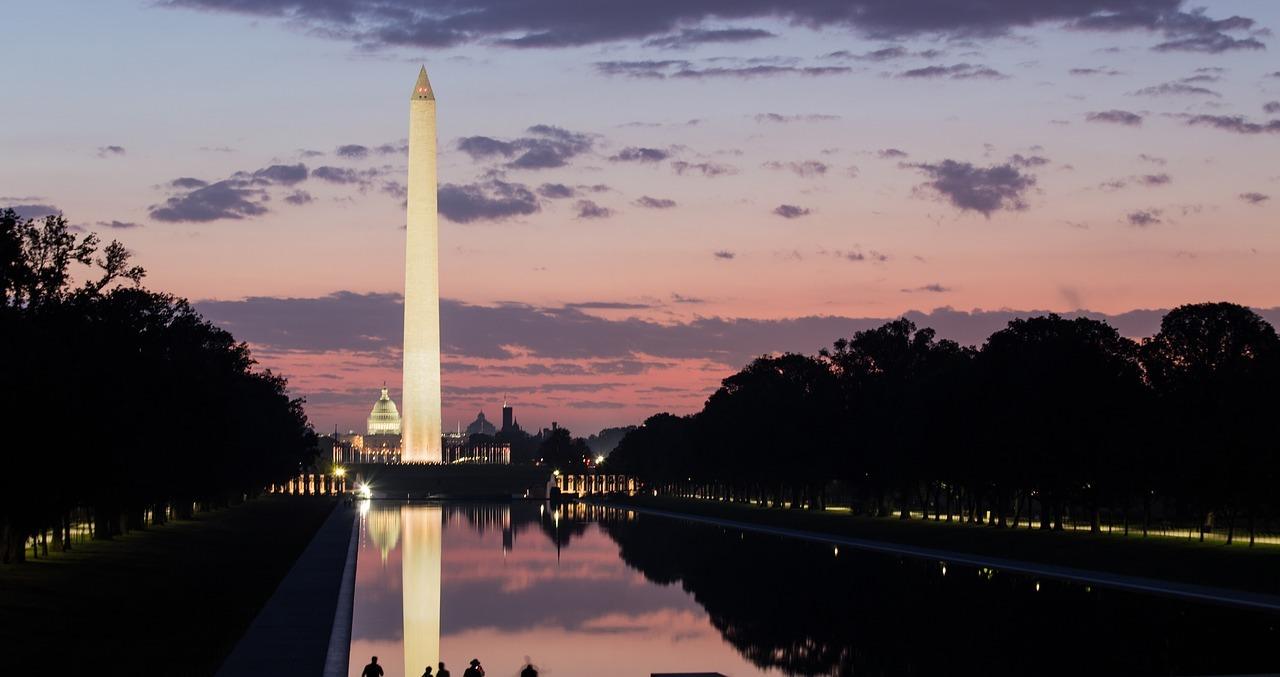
<point x="385" y="418"/>
<point x="481" y="426"/>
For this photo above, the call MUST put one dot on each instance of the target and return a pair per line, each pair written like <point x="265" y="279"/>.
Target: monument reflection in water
<point x="423" y="527"/>
<point x="596" y="591"/>
<point x="415" y="533"/>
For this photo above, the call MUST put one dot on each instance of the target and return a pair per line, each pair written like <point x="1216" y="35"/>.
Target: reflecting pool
<point x="592" y="591"/>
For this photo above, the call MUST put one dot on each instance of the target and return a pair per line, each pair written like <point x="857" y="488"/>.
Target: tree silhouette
<point x="123" y="401"/>
<point x="771" y="426"/>
<point x="636" y="453"/>
<point x="1058" y="398"/>
<point x="890" y="378"/>
<point x="564" y="452"/>
<point x="1056" y="420"/>
<point x="1215" y="371"/>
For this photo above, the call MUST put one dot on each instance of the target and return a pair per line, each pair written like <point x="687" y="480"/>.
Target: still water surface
<point x="589" y="591"/>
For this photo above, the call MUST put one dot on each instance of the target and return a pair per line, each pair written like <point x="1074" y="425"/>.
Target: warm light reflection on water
<point x="504" y="591"/>
<point x="420" y="567"/>
<point x="596" y="592"/>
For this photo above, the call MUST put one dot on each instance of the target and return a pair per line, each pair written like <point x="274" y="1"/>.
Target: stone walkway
<point x="305" y="626"/>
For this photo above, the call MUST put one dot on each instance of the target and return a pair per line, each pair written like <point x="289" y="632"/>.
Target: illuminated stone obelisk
<point x="420" y="423"/>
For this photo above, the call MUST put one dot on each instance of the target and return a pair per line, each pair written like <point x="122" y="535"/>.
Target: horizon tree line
<point x="1053" y="420"/>
<point x="120" y="402"/>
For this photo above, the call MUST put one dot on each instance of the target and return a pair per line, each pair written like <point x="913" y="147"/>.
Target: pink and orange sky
<point x="639" y="198"/>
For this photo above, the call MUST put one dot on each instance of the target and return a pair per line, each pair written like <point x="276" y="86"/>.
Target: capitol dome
<point x="385" y="418"/>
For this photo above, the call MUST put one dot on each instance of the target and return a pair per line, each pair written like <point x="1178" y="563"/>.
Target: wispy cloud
<point x="1145" y="217"/>
<point x="491" y="200"/>
<point x="985" y="190"/>
<point x="791" y="211"/>
<point x="654" y="202"/>
<point x="1118" y="117"/>
<point x="588" y="209"/>
<point x="960" y="71"/>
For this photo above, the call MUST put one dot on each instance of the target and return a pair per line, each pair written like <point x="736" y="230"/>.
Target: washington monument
<point x="420" y="425"/>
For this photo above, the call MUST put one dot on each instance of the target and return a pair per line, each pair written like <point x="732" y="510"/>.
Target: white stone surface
<point x="420" y="418"/>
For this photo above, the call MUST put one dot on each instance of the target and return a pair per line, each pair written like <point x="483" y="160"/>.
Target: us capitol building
<point x="380" y="442"/>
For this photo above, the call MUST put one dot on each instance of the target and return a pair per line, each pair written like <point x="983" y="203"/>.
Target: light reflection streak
<point x="423" y="526"/>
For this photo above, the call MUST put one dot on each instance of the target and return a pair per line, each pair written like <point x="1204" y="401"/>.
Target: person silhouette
<point x="427" y="672"/>
<point x="529" y="670"/>
<point x="372" y="669"/>
<point x="442" y="672"/>
<point x="475" y="670"/>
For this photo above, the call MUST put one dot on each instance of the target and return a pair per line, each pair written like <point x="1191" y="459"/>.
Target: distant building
<point x="481" y="426"/>
<point x="384" y="419"/>
<point x="381" y="442"/>
<point x="332" y="449"/>
<point x="463" y="451"/>
<point x="381" y="449"/>
<point x="350" y="446"/>
<point x="508" y="418"/>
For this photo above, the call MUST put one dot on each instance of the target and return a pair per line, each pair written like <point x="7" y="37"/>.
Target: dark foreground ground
<point x="1234" y="567"/>
<point x="167" y="601"/>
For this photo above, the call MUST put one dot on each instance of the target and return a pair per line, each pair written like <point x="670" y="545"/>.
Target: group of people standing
<point x="474" y="670"/>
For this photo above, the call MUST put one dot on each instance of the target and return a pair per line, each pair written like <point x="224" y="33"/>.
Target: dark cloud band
<point x="680" y="23"/>
<point x="372" y="323"/>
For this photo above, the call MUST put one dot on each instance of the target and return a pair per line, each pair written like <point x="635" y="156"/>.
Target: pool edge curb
<point x="1137" y="584"/>
<point x="338" y="655"/>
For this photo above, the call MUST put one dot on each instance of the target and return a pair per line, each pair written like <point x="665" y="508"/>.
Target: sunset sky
<point x="637" y="198"/>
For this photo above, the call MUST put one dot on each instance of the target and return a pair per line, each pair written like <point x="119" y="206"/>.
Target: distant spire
<point x="422" y="89"/>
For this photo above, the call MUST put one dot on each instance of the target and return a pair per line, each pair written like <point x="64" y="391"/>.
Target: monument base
<point x="458" y="480"/>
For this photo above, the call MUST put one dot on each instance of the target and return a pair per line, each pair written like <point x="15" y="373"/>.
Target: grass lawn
<point x="1236" y="566"/>
<point x="172" y="600"/>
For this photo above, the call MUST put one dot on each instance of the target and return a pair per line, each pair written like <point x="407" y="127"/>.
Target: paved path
<point x="305" y="617"/>
<point x="1186" y="591"/>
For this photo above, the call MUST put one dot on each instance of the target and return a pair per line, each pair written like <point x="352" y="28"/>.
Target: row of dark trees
<point x="556" y="447"/>
<point x="560" y="450"/>
<point x="1052" y="419"/>
<point x="119" y="402"/>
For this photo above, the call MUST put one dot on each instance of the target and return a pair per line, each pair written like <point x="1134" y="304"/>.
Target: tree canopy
<point x="119" y="400"/>
<point x="1051" y="418"/>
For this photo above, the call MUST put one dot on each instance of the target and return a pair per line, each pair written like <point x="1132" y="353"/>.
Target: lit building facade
<point x="461" y="450"/>
<point x="381" y="443"/>
<point x="385" y="418"/>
